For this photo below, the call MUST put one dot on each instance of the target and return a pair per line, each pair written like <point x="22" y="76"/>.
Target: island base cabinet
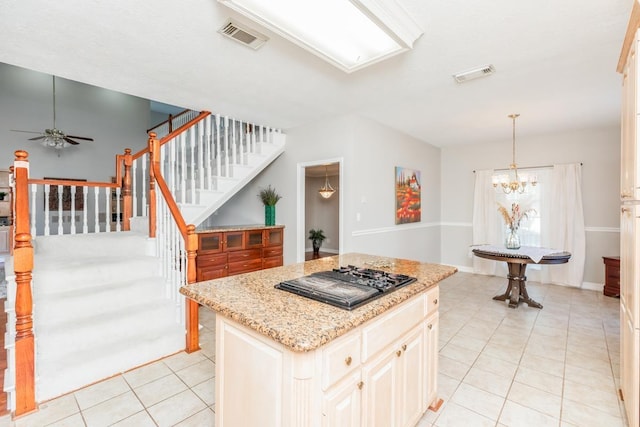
<point x="344" y="383"/>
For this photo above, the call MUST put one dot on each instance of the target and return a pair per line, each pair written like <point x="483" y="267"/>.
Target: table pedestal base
<point x="517" y="288"/>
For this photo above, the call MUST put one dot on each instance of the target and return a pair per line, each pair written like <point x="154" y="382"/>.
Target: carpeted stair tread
<point x="90" y="245"/>
<point x="59" y="376"/>
<point x="76" y="274"/>
<point x="72" y="334"/>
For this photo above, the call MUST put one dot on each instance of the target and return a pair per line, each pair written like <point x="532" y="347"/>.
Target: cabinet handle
<point x="348" y="360"/>
<point x="360" y="385"/>
<point x="430" y="326"/>
<point x="398" y="353"/>
<point x="624" y="210"/>
<point x="435" y="301"/>
<point x="404" y="347"/>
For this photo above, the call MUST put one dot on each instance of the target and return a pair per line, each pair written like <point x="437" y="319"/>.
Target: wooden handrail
<point x="23" y="267"/>
<point x="72" y="183"/>
<point x="188" y="232"/>
<point x="171" y="117"/>
<point x="170" y="136"/>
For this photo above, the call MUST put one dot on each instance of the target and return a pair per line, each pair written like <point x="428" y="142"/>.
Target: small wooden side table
<point x="611" y="276"/>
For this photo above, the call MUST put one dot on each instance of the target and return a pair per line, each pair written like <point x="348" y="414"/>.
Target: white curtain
<point x="567" y="224"/>
<point x="485" y="230"/>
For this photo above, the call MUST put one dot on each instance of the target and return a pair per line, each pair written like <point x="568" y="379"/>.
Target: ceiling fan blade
<point x="70" y="141"/>
<point x="25" y="131"/>
<point x="37" y="138"/>
<point x="80" y="137"/>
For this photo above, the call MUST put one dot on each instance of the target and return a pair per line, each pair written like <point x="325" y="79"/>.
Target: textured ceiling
<point x="555" y="64"/>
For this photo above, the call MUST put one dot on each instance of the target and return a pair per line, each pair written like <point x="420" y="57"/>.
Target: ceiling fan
<point x="54" y="137"/>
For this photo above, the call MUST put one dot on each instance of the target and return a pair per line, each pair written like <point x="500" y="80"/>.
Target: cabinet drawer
<point x="245" y="266"/>
<point x="275" y="261"/>
<point x="211" y="273"/>
<point x="272" y="251"/>
<point x="433" y="299"/>
<point x="389" y="327"/>
<point x="341" y="358"/>
<point x="211" y="260"/>
<point x="245" y="255"/>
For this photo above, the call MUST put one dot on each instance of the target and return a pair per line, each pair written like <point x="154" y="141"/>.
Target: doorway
<point x="317" y="212"/>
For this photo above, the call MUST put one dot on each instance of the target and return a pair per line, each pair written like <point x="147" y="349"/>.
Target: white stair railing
<point x="70" y="207"/>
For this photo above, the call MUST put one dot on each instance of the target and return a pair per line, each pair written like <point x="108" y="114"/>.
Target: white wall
<point x="370" y="152"/>
<point x="599" y="151"/>
<point x="116" y="121"/>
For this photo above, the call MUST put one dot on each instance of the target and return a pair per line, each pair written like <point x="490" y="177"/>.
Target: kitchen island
<point x="286" y="360"/>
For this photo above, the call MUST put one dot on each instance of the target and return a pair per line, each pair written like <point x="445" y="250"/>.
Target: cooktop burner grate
<point x="346" y="287"/>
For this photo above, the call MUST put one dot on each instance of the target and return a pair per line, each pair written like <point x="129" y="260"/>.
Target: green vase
<point x="269" y="214"/>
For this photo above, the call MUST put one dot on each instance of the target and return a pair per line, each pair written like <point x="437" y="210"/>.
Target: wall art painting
<point x="408" y="192"/>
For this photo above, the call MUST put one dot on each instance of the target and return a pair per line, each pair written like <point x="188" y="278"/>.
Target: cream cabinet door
<point x="431" y="358"/>
<point x="380" y="378"/>
<point x="410" y="401"/>
<point x="342" y="405"/>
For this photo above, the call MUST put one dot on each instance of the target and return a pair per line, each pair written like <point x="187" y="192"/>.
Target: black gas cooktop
<point x="346" y="287"/>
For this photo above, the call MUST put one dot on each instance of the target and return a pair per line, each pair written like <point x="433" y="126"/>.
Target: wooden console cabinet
<point x="611" y="276"/>
<point x="225" y="252"/>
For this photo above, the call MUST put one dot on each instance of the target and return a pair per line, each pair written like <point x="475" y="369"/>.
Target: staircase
<point x="99" y="309"/>
<point x="107" y="302"/>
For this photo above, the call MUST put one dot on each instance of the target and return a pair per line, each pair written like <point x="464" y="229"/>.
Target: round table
<point x="517" y="287"/>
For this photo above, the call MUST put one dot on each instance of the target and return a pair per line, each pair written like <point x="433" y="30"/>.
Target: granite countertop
<point x="299" y="323"/>
<point x="216" y="228"/>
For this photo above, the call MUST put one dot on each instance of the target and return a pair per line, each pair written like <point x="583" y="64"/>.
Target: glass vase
<point x="513" y="240"/>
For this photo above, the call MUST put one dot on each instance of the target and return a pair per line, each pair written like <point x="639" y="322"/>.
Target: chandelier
<point x="326" y="191"/>
<point x="513" y="183"/>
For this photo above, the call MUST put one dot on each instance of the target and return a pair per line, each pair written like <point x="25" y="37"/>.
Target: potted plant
<point x="316" y="237"/>
<point x="269" y="198"/>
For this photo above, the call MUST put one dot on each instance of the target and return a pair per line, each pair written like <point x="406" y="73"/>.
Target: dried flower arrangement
<point x="512" y="220"/>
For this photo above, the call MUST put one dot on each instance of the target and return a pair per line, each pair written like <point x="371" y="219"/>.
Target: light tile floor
<point x="522" y="367"/>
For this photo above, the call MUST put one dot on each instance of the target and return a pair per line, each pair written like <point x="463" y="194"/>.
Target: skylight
<point x="349" y="34"/>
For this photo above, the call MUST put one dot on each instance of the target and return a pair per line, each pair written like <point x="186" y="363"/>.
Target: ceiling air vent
<point x="475" y="73"/>
<point x="242" y="34"/>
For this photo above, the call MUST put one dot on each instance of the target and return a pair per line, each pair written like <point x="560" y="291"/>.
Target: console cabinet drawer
<point x="211" y="260"/>
<point x="211" y="273"/>
<point x="272" y="251"/>
<point x="246" y="255"/>
<point x="275" y="261"/>
<point x="245" y="266"/>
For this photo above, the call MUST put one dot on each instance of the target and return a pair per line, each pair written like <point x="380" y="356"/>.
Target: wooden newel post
<point x="154" y="160"/>
<point x="23" y="266"/>
<point x="191" y="245"/>
<point x="127" y="199"/>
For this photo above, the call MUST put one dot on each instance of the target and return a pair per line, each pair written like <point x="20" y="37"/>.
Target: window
<point x="532" y="229"/>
